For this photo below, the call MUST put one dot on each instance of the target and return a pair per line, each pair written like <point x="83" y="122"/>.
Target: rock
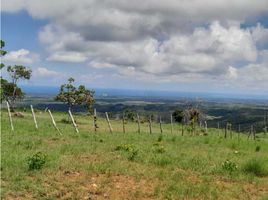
<point x="19" y="114"/>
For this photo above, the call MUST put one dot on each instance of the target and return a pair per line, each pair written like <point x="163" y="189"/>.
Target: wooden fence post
<point x="160" y="123"/>
<point x="171" y="123"/>
<point x="239" y="129"/>
<point x="150" y="124"/>
<point x="139" y="125"/>
<point x="250" y="131"/>
<point x="182" y="128"/>
<point x="35" y="122"/>
<point x="109" y="123"/>
<point x="225" y="131"/>
<point x="206" y="127"/>
<point x="218" y="124"/>
<point x="10" y="117"/>
<point x="123" y="121"/>
<point x="254" y="133"/>
<point x="74" y="124"/>
<point x="53" y="121"/>
<point x="95" y="120"/>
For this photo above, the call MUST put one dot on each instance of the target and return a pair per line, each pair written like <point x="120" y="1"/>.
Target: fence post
<point x="53" y="121"/>
<point x="206" y="127"/>
<point x="72" y="118"/>
<point x="254" y="133"/>
<point x="225" y="131"/>
<point x="182" y="128"/>
<point x="109" y="123"/>
<point x="35" y="122"/>
<point x="123" y="120"/>
<point x="250" y="131"/>
<point x="139" y="125"/>
<point x="160" y="123"/>
<point x="150" y="124"/>
<point x="95" y="120"/>
<point x="10" y="117"/>
<point x="171" y="123"/>
<point x="239" y="129"/>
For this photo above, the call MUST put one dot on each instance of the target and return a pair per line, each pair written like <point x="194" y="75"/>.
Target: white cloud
<point x="21" y="56"/>
<point x="44" y="72"/>
<point x="67" y="57"/>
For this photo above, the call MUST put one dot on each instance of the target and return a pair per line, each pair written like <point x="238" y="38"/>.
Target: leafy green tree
<point x="72" y="96"/>
<point x="10" y="90"/>
<point x="2" y="52"/>
<point x="129" y="115"/>
<point x="8" y="94"/>
<point x="178" y="115"/>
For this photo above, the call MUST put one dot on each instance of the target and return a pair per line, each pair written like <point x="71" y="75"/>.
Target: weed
<point x="133" y="154"/>
<point x="255" y="166"/>
<point x="132" y="151"/>
<point x="229" y="166"/>
<point x="160" y="138"/>
<point x="159" y="149"/>
<point x="36" y="161"/>
<point x="258" y="148"/>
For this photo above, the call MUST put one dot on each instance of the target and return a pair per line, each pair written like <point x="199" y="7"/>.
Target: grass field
<point x="127" y="166"/>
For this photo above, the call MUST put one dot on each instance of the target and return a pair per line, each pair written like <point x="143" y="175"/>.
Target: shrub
<point x="36" y="161"/>
<point x="159" y="149"/>
<point x="132" y="151"/>
<point x="258" y="148"/>
<point x="65" y="121"/>
<point x="229" y="166"/>
<point x="255" y="166"/>
<point x="160" y="138"/>
<point x="133" y="154"/>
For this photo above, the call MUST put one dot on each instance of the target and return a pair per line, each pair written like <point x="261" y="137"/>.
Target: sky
<point x="182" y="45"/>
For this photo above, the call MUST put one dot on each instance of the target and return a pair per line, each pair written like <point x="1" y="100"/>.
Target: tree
<point x="8" y="94"/>
<point x="10" y="90"/>
<point x="72" y="96"/>
<point x="2" y="52"/>
<point x="178" y="115"/>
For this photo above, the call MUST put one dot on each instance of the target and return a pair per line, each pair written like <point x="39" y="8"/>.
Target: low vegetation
<point x="41" y="164"/>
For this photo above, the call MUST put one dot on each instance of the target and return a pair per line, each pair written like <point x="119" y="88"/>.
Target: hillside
<point x="133" y="165"/>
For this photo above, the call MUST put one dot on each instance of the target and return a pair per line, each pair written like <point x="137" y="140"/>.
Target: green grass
<point x="127" y="166"/>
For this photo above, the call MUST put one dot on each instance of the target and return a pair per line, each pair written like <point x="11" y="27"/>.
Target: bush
<point x="160" y="138"/>
<point x="132" y="151"/>
<point x="159" y="149"/>
<point x="36" y="161"/>
<point x="133" y="154"/>
<point x="229" y="166"/>
<point x="258" y="148"/>
<point x="256" y="167"/>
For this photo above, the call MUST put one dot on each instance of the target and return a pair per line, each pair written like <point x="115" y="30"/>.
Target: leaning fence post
<point x="171" y="123"/>
<point x="72" y="118"/>
<point x="150" y="124"/>
<point x="35" y="122"/>
<point x="53" y="121"/>
<point x="160" y="123"/>
<point x="10" y="118"/>
<point x="109" y="123"/>
<point x="139" y="125"/>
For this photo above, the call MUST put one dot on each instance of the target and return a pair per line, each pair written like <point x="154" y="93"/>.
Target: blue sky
<point x="213" y="46"/>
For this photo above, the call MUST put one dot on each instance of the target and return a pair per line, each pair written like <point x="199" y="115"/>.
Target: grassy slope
<point x="87" y="166"/>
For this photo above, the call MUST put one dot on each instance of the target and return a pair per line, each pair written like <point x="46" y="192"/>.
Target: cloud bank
<point x="163" y="41"/>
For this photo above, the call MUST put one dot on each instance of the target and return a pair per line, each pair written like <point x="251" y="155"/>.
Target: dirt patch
<point x="79" y="185"/>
